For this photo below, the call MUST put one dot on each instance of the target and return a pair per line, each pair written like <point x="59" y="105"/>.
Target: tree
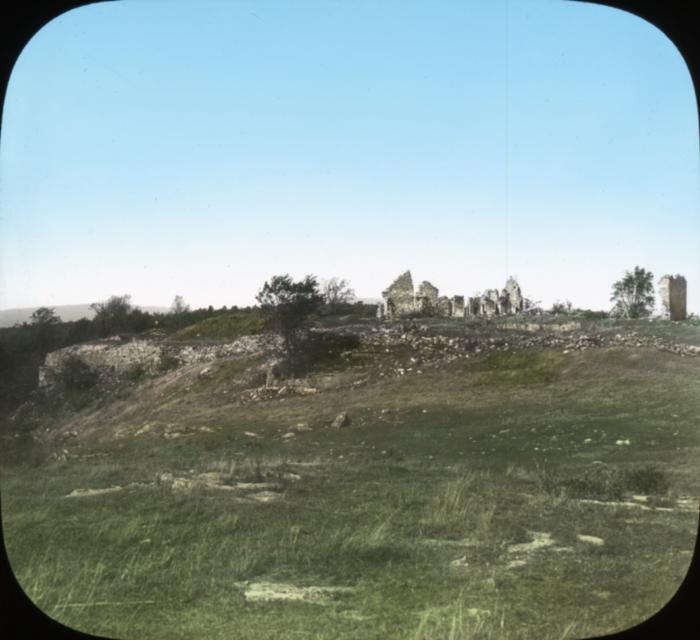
<point x="112" y="316"/>
<point x="633" y="295"/>
<point x="44" y="316"/>
<point x="179" y="306"/>
<point x="44" y="320"/>
<point x="560" y="307"/>
<point x="288" y="305"/>
<point x="337" y="291"/>
<point x="179" y="309"/>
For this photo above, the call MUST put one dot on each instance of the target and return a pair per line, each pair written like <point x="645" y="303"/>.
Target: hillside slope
<point x="488" y="484"/>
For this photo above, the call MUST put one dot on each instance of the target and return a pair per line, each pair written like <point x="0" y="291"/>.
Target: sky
<point x="167" y="147"/>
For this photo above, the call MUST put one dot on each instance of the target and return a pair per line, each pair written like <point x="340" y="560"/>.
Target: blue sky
<point x="197" y="148"/>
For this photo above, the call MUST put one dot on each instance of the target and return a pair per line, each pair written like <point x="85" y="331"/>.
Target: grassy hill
<point x="225" y="326"/>
<point x="499" y="492"/>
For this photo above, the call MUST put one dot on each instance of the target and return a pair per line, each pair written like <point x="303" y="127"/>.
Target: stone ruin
<point x="673" y="292"/>
<point x="400" y="300"/>
<point x="116" y="357"/>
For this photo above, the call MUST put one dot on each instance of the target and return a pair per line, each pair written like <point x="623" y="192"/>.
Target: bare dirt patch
<point x="523" y="552"/>
<point x="282" y="592"/>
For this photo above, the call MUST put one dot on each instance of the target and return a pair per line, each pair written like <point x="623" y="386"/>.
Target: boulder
<point x="341" y="420"/>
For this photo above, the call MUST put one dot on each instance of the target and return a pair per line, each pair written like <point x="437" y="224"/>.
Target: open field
<point x="526" y="493"/>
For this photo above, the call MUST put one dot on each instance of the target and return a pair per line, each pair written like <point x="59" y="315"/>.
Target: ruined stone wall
<point x="443" y="306"/>
<point x="457" y="307"/>
<point x="115" y="358"/>
<point x="490" y="300"/>
<point x="514" y="296"/>
<point x="427" y="298"/>
<point x="673" y="293"/>
<point x="399" y="300"/>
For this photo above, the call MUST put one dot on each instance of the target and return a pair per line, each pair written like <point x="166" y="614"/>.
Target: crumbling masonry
<point x="673" y="293"/>
<point x="400" y="300"/>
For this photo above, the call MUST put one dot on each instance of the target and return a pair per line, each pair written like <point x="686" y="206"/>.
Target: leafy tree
<point x="633" y="295"/>
<point x="179" y="309"/>
<point x="179" y="306"/>
<point x="337" y="291"/>
<point x="75" y="374"/>
<point x="45" y="316"/>
<point x="112" y="316"/>
<point x="79" y="331"/>
<point x="44" y="321"/>
<point x="288" y="305"/>
<point x="560" y="307"/>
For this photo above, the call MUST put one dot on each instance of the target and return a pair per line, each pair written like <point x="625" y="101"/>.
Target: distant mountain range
<point x="67" y="313"/>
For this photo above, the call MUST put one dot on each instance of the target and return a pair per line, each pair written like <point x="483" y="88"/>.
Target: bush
<point x="226" y="326"/>
<point x="587" y="314"/>
<point x="75" y="374"/>
<point x="323" y="349"/>
<point x="136" y="373"/>
<point x="168" y="361"/>
<point x="559" y="308"/>
<point x="601" y="482"/>
<point x="649" y="480"/>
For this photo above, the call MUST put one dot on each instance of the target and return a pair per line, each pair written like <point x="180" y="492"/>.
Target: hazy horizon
<point x="201" y="148"/>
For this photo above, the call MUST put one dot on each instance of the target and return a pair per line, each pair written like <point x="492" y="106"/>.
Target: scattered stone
<point x="279" y="592"/>
<point x="516" y="563"/>
<point x="266" y="496"/>
<point x="622" y="442"/>
<point x="307" y="391"/>
<point x="288" y="435"/>
<point x="682" y="504"/>
<point x="341" y="420"/>
<point x="594" y="540"/>
<point x="255" y="486"/>
<point x="540" y="540"/>
<point x="251" y="434"/>
<point x="83" y="493"/>
<point x="165" y="478"/>
<point x="460" y="562"/>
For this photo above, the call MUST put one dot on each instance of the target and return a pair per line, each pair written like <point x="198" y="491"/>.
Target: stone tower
<point x="673" y="292"/>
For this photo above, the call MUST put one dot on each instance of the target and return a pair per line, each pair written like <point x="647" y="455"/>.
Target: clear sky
<point x="198" y="148"/>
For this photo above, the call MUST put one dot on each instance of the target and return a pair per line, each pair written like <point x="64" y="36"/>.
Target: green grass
<point x="225" y="326"/>
<point x="518" y="367"/>
<point x="414" y="506"/>
<point x="226" y="371"/>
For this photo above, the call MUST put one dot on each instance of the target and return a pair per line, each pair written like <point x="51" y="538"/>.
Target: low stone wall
<point x="246" y="345"/>
<point x="106" y="356"/>
<point x="116" y="357"/>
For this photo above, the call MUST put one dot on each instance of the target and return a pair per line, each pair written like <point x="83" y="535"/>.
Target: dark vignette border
<point x="677" y="19"/>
